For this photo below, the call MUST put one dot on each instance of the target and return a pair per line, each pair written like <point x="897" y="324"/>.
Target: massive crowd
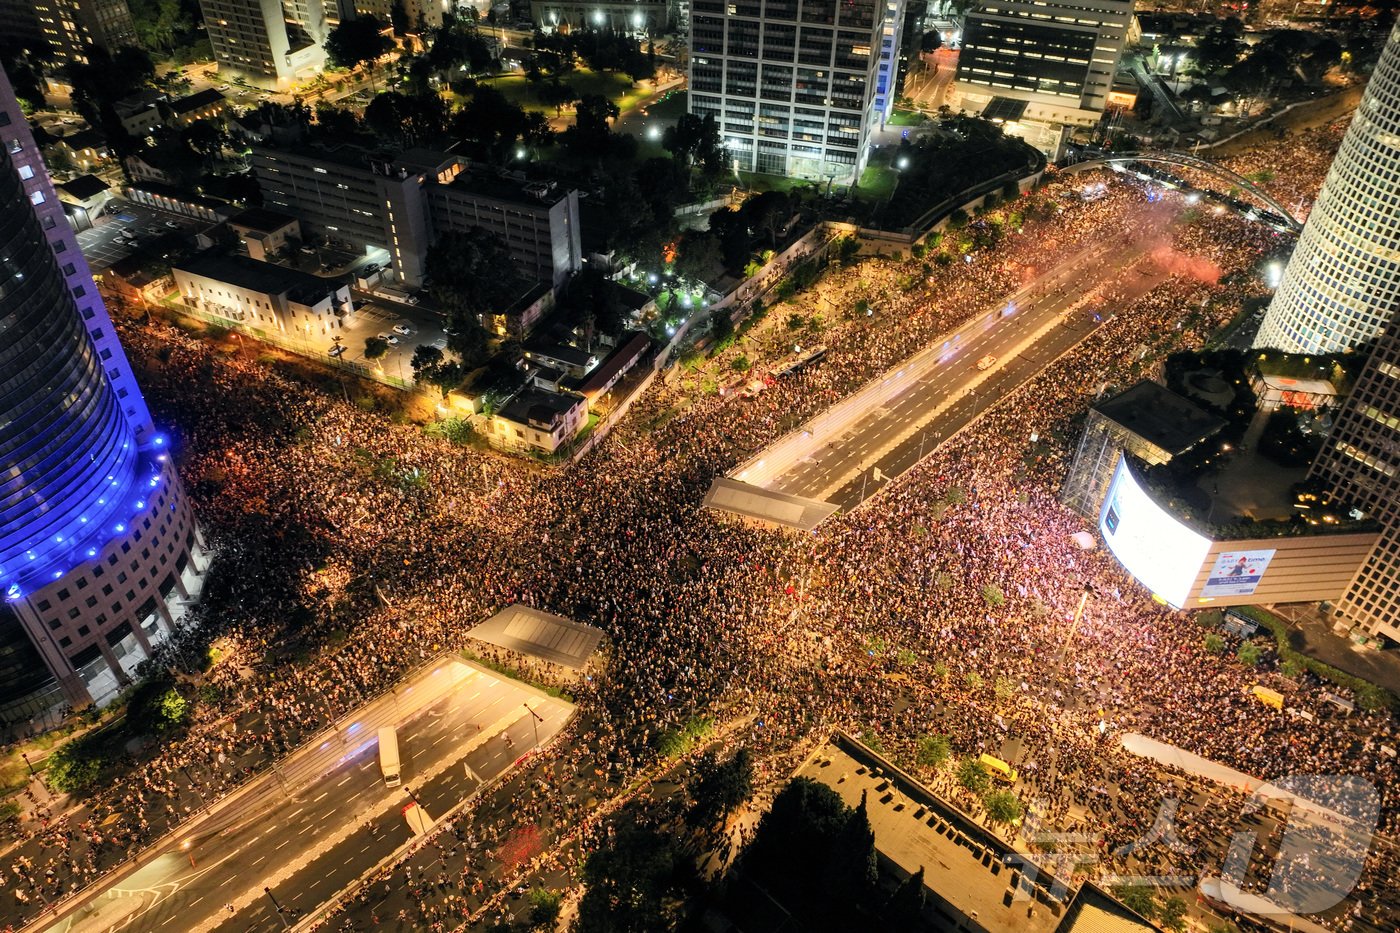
<point x="350" y="548"/>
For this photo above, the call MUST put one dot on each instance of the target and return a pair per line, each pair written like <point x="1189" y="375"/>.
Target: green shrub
<point x="973" y="777"/>
<point x="1369" y="696"/>
<point x="932" y="750"/>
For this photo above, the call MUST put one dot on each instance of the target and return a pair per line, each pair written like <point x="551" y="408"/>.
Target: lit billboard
<point x="1158" y="550"/>
<point x="1237" y="573"/>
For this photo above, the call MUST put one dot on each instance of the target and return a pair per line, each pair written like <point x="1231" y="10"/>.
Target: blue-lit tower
<point x="99" y="553"/>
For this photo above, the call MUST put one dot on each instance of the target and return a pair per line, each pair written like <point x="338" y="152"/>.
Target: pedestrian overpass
<point x="1160" y="156"/>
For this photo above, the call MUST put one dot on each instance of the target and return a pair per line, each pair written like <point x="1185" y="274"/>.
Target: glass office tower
<point x="1342" y="283"/>
<point x="96" y="537"/>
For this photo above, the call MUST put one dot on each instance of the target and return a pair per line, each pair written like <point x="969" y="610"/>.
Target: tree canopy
<point x="358" y="41"/>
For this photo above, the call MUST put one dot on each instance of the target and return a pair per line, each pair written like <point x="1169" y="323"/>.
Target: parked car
<point x="128" y="231"/>
<point x="223" y="87"/>
<point x="336" y="350"/>
<point x="402" y="329"/>
<point x="172" y="225"/>
<point x="391" y="339"/>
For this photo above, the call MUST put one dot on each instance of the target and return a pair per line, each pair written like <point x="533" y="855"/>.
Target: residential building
<point x="263" y="296"/>
<point x="140" y="113"/>
<point x="538" y="420"/>
<point x="569" y="360"/>
<point x="601" y="379"/>
<point x="520" y="318"/>
<point x="264" y="233"/>
<point x="69" y="27"/>
<point x="1042" y="69"/>
<point x="796" y="86"/>
<point x="1342" y="283"/>
<point x="207" y="104"/>
<point x="422" y="14"/>
<point x="86" y="149"/>
<point x="99" y="551"/>
<point x="394" y="206"/>
<point x="273" y="41"/>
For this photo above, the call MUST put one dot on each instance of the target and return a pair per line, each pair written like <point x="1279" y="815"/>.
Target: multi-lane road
<point x="322" y="819"/>
<point x="845" y="454"/>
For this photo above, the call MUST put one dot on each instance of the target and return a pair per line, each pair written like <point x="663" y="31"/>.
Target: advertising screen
<point x="1162" y="553"/>
<point x="1237" y="573"/>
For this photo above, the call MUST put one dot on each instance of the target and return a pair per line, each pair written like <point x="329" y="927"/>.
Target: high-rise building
<point x="1342" y="283"/>
<point x="1360" y="465"/>
<point x="1040" y="68"/>
<point x="796" y="86"/>
<point x="98" y="547"/>
<point x="70" y="26"/>
<point x="276" y="40"/>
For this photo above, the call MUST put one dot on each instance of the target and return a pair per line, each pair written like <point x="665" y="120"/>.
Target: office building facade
<point x="1342" y="283"/>
<point x="98" y="547"/>
<point x="399" y="203"/>
<point x="796" y="86"/>
<point x="1042" y="69"/>
<point x="271" y="41"/>
<point x="1360" y="465"/>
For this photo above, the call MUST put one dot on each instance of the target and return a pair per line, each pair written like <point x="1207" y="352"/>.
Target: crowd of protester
<point x="350" y="548"/>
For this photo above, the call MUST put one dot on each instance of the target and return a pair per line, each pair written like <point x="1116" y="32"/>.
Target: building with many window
<point x="262" y="295"/>
<point x="1042" y="69"/>
<point x="1360" y="465"/>
<point x="70" y="26"/>
<point x="397" y="204"/>
<point x="99" y="552"/>
<point x="633" y="17"/>
<point x="274" y="41"/>
<point x="1342" y="283"/>
<point x="796" y="86"/>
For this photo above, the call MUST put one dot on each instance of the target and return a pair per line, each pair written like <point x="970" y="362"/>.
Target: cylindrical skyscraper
<point x="98" y="546"/>
<point x="1343" y="281"/>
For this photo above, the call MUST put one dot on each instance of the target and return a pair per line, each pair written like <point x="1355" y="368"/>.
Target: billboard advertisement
<point x="1157" y="549"/>
<point x="1237" y="573"/>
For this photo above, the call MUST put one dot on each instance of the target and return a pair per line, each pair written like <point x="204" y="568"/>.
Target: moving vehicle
<point x="389" y="755"/>
<point x="999" y="770"/>
<point x="336" y="350"/>
<point x="986" y="362"/>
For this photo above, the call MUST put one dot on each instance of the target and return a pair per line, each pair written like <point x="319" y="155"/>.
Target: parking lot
<point x="374" y="317"/>
<point x="100" y="244"/>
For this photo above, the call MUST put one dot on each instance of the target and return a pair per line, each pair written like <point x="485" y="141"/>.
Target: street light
<point x="281" y="916"/>
<point x="535" y="720"/>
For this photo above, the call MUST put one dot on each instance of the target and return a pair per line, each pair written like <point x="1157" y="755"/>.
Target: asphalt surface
<point x="99" y="244"/>
<point x="939" y="391"/>
<point x="324" y="818"/>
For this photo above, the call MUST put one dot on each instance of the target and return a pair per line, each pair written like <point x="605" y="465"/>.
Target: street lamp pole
<point x="535" y="721"/>
<point x="281" y="916"/>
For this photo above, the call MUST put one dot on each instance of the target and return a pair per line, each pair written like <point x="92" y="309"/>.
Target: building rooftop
<point x="250" y="274"/>
<point x="85" y="186"/>
<point x="1161" y="417"/>
<point x="513" y="189"/>
<point x="624" y="355"/>
<point x="196" y="101"/>
<point x="531" y="295"/>
<point x="964" y="865"/>
<point x="535" y="406"/>
<point x="562" y="352"/>
<point x="262" y="220"/>
<point x="137" y="102"/>
<point x="84" y="139"/>
<point x="529" y="631"/>
<point x="767" y="505"/>
<point x="431" y="161"/>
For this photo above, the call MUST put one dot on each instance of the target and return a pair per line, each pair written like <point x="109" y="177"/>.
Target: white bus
<point x="389" y="755"/>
